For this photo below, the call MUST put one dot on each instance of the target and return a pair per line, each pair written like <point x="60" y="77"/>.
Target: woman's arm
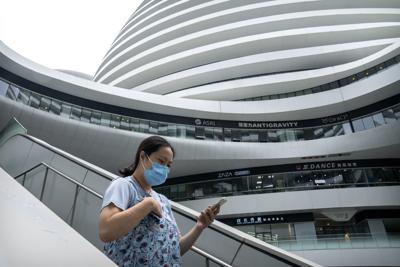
<point x="115" y="223"/>
<point x="205" y="219"/>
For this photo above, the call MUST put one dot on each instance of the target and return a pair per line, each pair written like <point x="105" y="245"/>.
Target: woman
<point x="137" y="223"/>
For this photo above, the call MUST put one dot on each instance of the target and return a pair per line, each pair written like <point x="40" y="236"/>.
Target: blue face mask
<point x="157" y="174"/>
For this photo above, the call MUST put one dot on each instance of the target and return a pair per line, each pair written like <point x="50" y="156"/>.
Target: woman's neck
<point x="139" y="177"/>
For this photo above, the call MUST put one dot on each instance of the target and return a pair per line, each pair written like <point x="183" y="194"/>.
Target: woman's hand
<point x="156" y="206"/>
<point x="203" y="221"/>
<point x="207" y="216"/>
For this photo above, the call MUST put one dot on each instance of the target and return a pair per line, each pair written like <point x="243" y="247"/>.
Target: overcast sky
<point x="60" y="34"/>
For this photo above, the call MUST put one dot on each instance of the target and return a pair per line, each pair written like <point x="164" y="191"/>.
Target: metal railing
<point x="322" y="242"/>
<point x="208" y="257"/>
<point x="217" y="227"/>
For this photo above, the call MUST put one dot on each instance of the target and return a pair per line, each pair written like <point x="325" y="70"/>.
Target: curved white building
<point x="233" y="50"/>
<point x="289" y="108"/>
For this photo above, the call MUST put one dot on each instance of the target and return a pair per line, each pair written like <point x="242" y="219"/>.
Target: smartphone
<point x="155" y="216"/>
<point x="221" y="202"/>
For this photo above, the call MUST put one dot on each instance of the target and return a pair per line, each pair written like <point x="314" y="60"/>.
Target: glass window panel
<point x="390" y="62"/>
<point x="115" y="121"/>
<point x="360" y="75"/>
<point x="171" y="129"/>
<point x="23" y="96"/>
<point x="318" y="133"/>
<point x="195" y="190"/>
<point x="371" y="71"/>
<point x="105" y="119"/>
<point x="218" y="134"/>
<point x="337" y="130"/>
<point x="368" y="122"/>
<point x="343" y="82"/>
<point x="316" y="89"/>
<point x="396" y="111"/>
<point x="96" y="117"/>
<point x="274" y="96"/>
<point x="352" y="78"/>
<point x="65" y="110"/>
<point x="86" y="114"/>
<point x="15" y="90"/>
<point x="372" y="178"/>
<point x="347" y="128"/>
<point x="282" y="231"/>
<point x="244" y="135"/>
<point x="253" y="136"/>
<point x="163" y="128"/>
<point x="76" y="113"/>
<point x="307" y="91"/>
<point x="12" y="92"/>
<point x="299" y="134"/>
<point x="279" y="180"/>
<point x="263" y="136"/>
<point x="281" y="134"/>
<point x="209" y="133"/>
<point x="325" y="87"/>
<point x="189" y="131"/>
<point x="290" y="135"/>
<point x="358" y="176"/>
<point x="3" y="88"/>
<point x="248" y="229"/>
<point x="55" y="107"/>
<point x="239" y="184"/>
<point x="153" y="127"/>
<point x="284" y="95"/>
<point x="308" y="133"/>
<point x="125" y="123"/>
<point x="174" y="191"/>
<point x="358" y="125"/>
<point x="181" y="130"/>
<point x="200" y="132"/>
<point x="378" y="119"/>
<point x="334" y="85"/>
<point x="134" y="124"/>
<point x="227" y="134"/>
<point x="236" y="135"/>
<point x="273" y="136"/>
<point x="181" y="191"/>
<point x="144" y="126"/>
<point x="34" y="100"/>
<point x="299" y="93"/>
<point x="389" y="115"/>
<point x="44" y="103"/>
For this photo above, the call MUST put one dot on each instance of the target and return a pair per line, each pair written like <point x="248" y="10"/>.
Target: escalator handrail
<point x="225" y="230"/>
<point x="63" y="175"/>
<point x="84" y="187"/>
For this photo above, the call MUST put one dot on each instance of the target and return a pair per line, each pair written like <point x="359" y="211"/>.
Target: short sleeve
<point x="119" y="193"/>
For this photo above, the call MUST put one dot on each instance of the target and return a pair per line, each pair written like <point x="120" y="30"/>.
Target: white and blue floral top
<point x="154" y="241"/>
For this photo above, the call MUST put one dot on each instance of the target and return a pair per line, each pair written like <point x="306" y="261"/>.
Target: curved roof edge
<point x="296" y="108"/>
<point x="77" y="74"/>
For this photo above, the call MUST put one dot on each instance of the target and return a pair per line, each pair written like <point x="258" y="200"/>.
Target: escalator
<point x="73" y="189"/>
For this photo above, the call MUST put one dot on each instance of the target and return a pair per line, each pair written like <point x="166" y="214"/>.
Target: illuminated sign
<point x="260" y="220"/>
<point x="200" y="122"/>
<point x="325" y="165"/>
<point x="268" y="125"/>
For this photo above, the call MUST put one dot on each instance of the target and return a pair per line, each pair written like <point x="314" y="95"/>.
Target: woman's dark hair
<point x="149" y="145"/>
